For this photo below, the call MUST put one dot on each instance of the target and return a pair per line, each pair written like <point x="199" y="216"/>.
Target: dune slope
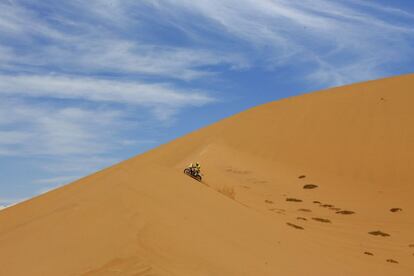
<point x="318" y="184"/>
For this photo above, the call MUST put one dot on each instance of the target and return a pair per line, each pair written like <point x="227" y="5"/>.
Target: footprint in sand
<point x="278" y="211"/>
<point x="368" y="253"/>
<point x="301" y="218"/>
<point x="322" y="220"/>
<point x="301" y="176"/>
<point x="269" y="201"/>
<point x="395" y="210"/>
<point x="392" y="261"/>
<point x="379" y="233"/>
<point x="310" y="186"/>
<point x="316" y="202"/>
<point x="305" y="210"/>
<point x="260" y="181"/>
<point x="227" y="191"/>
<point x="293" y="199"/>
<point x="236" y="171"/>
<point x="327" y="205"/>
<point x="295" y="226"/>
<point x="345" y="212"/>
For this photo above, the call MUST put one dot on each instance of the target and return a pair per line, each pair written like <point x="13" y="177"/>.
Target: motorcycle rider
<point x="195" y="168"/>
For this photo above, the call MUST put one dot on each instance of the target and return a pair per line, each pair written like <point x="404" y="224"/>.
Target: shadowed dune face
<point x="255" y="213"/>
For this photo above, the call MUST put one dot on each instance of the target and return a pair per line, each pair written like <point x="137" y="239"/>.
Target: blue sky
<point x="86" y="84"/>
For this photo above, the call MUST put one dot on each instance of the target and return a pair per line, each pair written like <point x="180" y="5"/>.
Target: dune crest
<point x="300" y="186"/>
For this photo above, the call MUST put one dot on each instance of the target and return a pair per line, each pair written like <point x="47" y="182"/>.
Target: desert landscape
<point x="316" y="184"/>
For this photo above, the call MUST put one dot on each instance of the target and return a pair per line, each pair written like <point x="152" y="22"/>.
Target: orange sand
<point x="251" y="215"/>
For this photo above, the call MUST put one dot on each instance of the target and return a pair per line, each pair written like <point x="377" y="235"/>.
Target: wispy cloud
<point x="333" y="38"/>
<point x="384" y="9"/>
<point x="58" y="43"/>
<point x="110" y="37"/>
<point x="50" y="130"/>
<point x="56" y="180"/>
<point x="99" y="90"/>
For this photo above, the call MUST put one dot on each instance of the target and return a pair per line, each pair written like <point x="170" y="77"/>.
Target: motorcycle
<point x="193" y="173"/>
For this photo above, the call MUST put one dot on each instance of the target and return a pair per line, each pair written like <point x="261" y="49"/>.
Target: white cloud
<point x="90" y="44"/>
<point x="66" y="142"/>
<point x="385" y="9"/>
<point x="99" y="90"/>
<point x="60" y="180"/>
<point x="127" y="57"/>
<point x="13" y="137"/>
<point x="48" y="130"/>
<point x="121" y="56"/>
<point x="113" y="36"/>
<point x="129" y="142"/>
<point x="14" y="22"/>
<point x="321" y="34"/>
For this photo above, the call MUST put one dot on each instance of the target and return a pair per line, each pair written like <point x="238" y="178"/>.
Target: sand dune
<point x="318" y="184"/>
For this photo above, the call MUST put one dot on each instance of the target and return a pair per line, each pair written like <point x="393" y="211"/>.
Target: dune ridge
<point x="300" y="186"/>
